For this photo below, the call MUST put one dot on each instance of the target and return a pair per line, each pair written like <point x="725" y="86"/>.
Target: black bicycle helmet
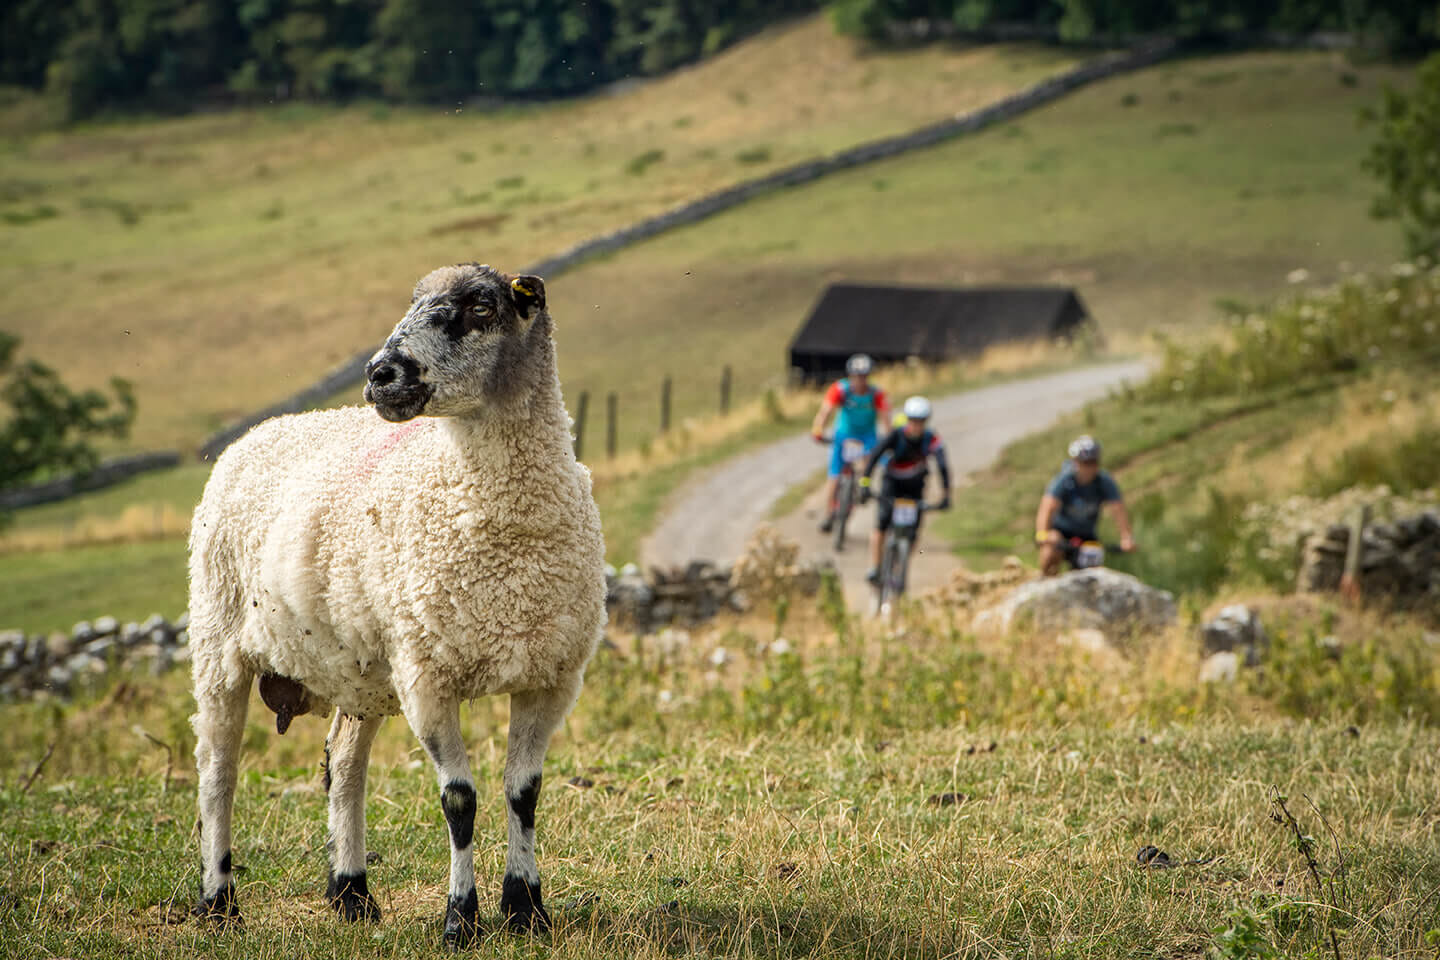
<point x="1086" y="449"/>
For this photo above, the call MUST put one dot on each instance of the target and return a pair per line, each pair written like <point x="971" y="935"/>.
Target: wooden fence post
<point x="665" y="405"/>
<point x="1350" y="586"/>
<point x="725" y="391"/>
<point x="612" y="414"/>
<point x="581" y="410"/>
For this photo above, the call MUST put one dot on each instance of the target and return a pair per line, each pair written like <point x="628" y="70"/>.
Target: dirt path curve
<point x="712" y="517"/>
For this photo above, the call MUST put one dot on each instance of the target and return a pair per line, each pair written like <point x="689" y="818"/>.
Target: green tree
<point x="1405" y="158"/>
<point x="45" y="427"/>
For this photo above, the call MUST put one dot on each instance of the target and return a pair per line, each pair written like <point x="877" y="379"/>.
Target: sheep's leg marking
<point x="347" y="756"/>
<point x="533" y="718"/>
<point x="437" y="723"/>
<point x="219" y="726"/>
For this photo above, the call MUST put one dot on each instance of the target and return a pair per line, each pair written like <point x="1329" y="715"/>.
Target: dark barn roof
<point x="892" y="324"/>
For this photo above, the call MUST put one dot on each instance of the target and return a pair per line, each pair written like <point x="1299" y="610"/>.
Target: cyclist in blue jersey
<point x="858" y="406"/>
<point x="1071" y="507"/>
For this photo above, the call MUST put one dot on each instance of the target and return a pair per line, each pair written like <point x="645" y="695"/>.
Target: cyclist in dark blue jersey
<point x="1072" y="504"/>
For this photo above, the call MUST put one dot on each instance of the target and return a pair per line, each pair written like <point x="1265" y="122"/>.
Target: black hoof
<point x="462" y="921"/>
<point x="349" y="894"/>
<point x="520" y="903"/>
<point x="219" y="909"/>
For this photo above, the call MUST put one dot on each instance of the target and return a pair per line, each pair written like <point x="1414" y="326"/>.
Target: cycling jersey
<point x="910" y="456"/>
<point x="1080" y="503"/>
<point x="857" y="413"/>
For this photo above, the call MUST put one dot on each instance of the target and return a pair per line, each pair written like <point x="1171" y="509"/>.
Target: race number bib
<point x="1090" y="555"/>
<point x="852" y="450"/>
<point x="906" y="514"/>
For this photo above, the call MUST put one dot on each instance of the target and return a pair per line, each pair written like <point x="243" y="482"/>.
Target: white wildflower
<point x="780" y="647"/>
<point x="720" y="656"/>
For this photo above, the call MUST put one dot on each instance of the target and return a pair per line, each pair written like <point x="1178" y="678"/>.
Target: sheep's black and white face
<point x="473" y="338"/>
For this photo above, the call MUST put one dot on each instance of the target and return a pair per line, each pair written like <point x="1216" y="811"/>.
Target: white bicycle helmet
<point x="1085" y="449"/>
<point x="858" y="365"/>
<point x="917" y="408"/>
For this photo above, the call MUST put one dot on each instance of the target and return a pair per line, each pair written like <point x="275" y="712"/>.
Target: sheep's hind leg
<point x="219" y="724"/>
<point x="437" y="723"/>
<point x="534" y="717"/>
<point x="347" y="756"/>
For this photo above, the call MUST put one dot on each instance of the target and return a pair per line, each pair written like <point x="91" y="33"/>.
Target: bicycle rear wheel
<point x="844" y="502"/>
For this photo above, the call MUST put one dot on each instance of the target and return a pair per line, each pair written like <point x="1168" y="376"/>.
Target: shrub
<point x="1362" y="322"/>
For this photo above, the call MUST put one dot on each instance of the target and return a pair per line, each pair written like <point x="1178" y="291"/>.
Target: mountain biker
<point x="859" y="406"/>
<point x="1071" y="506"/>
<point x="910" y="449"/>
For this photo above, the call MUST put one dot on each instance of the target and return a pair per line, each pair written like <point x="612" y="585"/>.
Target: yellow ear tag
<point x="519" y="286"/>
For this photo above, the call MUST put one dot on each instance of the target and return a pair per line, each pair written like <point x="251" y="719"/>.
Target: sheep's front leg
<point x="347" y="756"/>
<point x="219" y="724"/>
<point x="437" y="723"/>
<point x="533" y="718"/>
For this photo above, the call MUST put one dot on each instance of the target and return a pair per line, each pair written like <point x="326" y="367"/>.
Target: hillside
<point x="1155" y="194"/>
<point x="222" y="261"/>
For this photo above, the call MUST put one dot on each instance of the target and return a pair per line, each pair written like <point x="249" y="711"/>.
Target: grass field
<point x="222" y="261"/>
<point x="790" y="805"/>
<point x="1154" y="194"/>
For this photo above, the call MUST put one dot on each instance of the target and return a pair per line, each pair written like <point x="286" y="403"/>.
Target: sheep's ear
<point x="529" y="295"/>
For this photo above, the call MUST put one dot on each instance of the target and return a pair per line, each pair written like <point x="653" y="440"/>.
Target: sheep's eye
<point x="482" y="310"/>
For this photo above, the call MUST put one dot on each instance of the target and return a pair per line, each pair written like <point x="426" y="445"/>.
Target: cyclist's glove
<point x="864" y="489"/>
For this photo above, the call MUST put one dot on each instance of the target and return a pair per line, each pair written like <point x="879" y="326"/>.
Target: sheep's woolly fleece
<point x="362" y="558"/>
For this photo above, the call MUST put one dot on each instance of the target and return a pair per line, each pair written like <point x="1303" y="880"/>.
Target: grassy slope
<point x="1223" y="175"/>
<point x="223" y="261"/>
<point x="768" y="831"/>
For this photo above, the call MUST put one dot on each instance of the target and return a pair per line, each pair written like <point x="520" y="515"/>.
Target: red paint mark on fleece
<point x="384" y="448"/>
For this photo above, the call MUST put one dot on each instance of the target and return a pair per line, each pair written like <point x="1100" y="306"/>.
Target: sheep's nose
<point x="383" y="372"/>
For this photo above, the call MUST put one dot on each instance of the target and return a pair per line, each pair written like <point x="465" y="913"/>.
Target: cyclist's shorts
<point x="837" y="451"/>
<point x="907" y="489"/>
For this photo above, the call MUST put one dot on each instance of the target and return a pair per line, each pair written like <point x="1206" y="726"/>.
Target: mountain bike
<point x="847" y="491"/>
<point x="895" y="552"/>
<point x="1083" y="554"/>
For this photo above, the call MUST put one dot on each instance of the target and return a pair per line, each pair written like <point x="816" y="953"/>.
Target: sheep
<point x="445" y="549"/>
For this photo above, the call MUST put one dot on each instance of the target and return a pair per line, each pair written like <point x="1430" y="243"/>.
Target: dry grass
<point x="757" y="810"/>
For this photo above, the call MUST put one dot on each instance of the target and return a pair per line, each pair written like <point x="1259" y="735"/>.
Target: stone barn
<point x="932" y="324"/>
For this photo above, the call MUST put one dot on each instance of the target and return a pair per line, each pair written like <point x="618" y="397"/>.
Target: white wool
<point x="361" y="557"/>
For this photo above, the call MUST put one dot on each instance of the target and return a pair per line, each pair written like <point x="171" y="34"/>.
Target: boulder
<point x="1222" y="667"/>
<point x="1116" y="604"/>
<point x="1237" y="629"/>
<point x="106" y="626"/>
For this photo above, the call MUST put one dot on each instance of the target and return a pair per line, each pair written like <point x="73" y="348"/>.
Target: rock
<point x="1235" y="628"/>
<point x="57" y="679"/>
<point x="180" y="654"/>
<point x="101" y="649"/>
<point x="1085" y="638"/>
<point x="12" y="639"/>
<point x="130" y="634"/>
<point x="106" y="626"/>
<point x="61" y="646"/>
<point x="182" y="622"/>
<point x="83" y="632"/>
<point x="1222" y="667"/>
<point x="182" y="638"/>
<point x="1116" y="604"/>
<point x="154" y="621"/>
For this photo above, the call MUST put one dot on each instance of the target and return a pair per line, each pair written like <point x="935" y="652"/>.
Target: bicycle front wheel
<point x="900" y="567"/>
